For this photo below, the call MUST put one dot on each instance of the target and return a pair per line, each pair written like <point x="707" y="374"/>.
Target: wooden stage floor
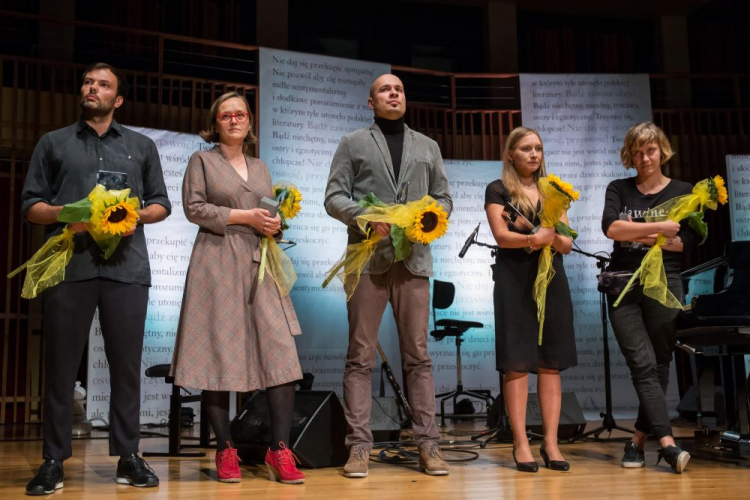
<point x="595" y="473"/>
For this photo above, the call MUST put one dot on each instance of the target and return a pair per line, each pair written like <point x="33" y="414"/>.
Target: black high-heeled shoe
<point x="560" y="465"/>
<point x="525" y="466"/>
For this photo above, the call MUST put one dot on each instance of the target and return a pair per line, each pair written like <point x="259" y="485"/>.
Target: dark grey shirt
<point x="63" y="170"/>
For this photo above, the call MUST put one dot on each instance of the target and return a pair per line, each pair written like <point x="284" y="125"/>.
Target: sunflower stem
<point x="628" y="286"/>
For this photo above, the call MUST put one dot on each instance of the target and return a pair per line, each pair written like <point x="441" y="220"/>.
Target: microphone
<point x="469" y="242"/>
<point x="287" y="242"/>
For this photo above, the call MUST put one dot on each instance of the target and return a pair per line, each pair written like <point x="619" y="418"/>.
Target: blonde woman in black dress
<point x="516" y="325"/>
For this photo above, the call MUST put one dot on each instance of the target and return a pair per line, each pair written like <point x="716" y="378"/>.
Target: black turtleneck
<point x="393" y="130"/>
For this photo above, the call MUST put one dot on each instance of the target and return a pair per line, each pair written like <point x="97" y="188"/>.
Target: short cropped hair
<point x="209" y="133"/>
<point x="640" y="135"/>
<point x="122" y="82"/>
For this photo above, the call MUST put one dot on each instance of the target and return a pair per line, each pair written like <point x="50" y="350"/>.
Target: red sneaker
<point x="228" y="465"/>
<point x="280" y="465"/>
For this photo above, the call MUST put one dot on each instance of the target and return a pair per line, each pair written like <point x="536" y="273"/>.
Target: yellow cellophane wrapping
<point x="350" y="265"/>
<point x="400" y="215"/>
<point x="279" y="266"/>
<point x="651" y="271"/>
<point x="46" y="268"/>
<point x="357" y="255"/>
<point x="554" y="205"/>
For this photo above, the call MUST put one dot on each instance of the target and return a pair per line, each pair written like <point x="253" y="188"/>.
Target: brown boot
<point x="356" y="466"/>
<point x="432" y="461"/>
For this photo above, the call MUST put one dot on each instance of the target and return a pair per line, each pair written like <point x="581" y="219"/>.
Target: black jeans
<point x="645" y="330"/>
<point x="68" y="310"/>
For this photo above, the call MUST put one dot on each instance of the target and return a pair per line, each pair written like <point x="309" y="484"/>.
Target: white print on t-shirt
<point x="642" y="214"/>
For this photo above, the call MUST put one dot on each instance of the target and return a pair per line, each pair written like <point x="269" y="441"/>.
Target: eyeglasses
<point x="240" y="116"/>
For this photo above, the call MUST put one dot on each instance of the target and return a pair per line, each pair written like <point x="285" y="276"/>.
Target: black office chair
<point x="176" y="400"/>
<point x="443" y="294"/>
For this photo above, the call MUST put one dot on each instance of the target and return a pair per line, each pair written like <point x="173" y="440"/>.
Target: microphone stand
<point x="608" y="420"/>
<point x="503" y="431"/>
<point x="494" y="248"/>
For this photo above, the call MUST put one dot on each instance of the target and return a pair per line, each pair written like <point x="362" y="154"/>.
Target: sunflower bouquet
<point x="279" y="265"/>
<point x="289" y="198"/>
<point x="706" y="194"/>
<point x="107" y="215"/>
<point x="557" y="195"/>
<point x="421" y="221"/>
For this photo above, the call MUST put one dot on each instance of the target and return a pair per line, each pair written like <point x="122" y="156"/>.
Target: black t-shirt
<point x="622" y="199"/>
<point x="497" y="193"/>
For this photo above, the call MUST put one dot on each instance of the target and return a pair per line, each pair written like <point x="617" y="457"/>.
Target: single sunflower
<point x="721" y="191"/>
<point x="430" y="223"/>
<point x="119" y="218"/>
<point x="291" y="205"/>
<point x="112" y="212"/>
<point x="564" y="187"/>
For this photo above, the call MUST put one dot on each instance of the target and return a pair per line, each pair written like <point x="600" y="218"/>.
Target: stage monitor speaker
<point x="572" y="421"/>
<point x="318" y="429"/>
<point x="384" y="419"/>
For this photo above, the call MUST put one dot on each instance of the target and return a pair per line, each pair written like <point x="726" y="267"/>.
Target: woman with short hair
<point x="644" y="328"/>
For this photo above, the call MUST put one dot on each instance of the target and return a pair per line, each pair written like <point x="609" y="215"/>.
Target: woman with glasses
<point x="235" y="333"/>
<point x="512" y="204"/>
<point x="644" y="328"/>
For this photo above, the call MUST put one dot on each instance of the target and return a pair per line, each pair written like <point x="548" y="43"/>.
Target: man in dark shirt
<point x="65" y="167"/>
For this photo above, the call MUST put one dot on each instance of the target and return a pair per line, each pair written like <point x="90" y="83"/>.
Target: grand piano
<point x="716" y="323"/>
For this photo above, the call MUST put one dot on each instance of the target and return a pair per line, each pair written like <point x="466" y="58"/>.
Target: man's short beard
<point x="94" y="112"/>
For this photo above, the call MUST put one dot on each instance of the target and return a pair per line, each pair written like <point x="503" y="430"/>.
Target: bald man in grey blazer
<point x="397" y="164"/>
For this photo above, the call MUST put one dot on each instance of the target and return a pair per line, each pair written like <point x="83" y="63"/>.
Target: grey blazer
<point x="362" y="164"/>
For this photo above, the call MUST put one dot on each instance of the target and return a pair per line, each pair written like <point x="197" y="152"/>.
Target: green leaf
<point x="79" y="211"/>
<point x="371" y="201"/>
<point x="401" y="243"/>
<point x="565" y="230"/>
<point x="695" y="220"/>
<point x="284" y="225"/>
<point x="109" y="245"/>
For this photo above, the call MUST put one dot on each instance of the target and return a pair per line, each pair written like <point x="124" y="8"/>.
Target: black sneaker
<point x="675" y="457"/>
<point x="134" y="470"/>
<point x="48" y="478"/>
<point x="634" y="457"/>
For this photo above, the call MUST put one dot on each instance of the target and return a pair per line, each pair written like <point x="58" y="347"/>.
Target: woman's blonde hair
<point x="641" y="134"/>
<point x="511" y="179"/>
<point x="210" y="134"/>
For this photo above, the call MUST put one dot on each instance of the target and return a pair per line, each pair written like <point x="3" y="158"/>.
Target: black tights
<point x="216" y="406"/>
<point x="280" y="405"/>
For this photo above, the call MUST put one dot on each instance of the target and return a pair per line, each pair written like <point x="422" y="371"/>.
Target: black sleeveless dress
<point x="516" y="325"/>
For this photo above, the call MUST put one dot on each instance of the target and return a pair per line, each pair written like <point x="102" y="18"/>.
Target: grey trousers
<point x="645" y="330"/>
<point x="409" y="296"/>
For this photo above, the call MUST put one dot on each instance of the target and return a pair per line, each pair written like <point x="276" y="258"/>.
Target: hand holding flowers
<point x="557" y="196"/>
<point x="421" y="221"/>
<point x="706" y="194"/>
<point x="279" y="265"/>
<point x="106" y="215"/>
